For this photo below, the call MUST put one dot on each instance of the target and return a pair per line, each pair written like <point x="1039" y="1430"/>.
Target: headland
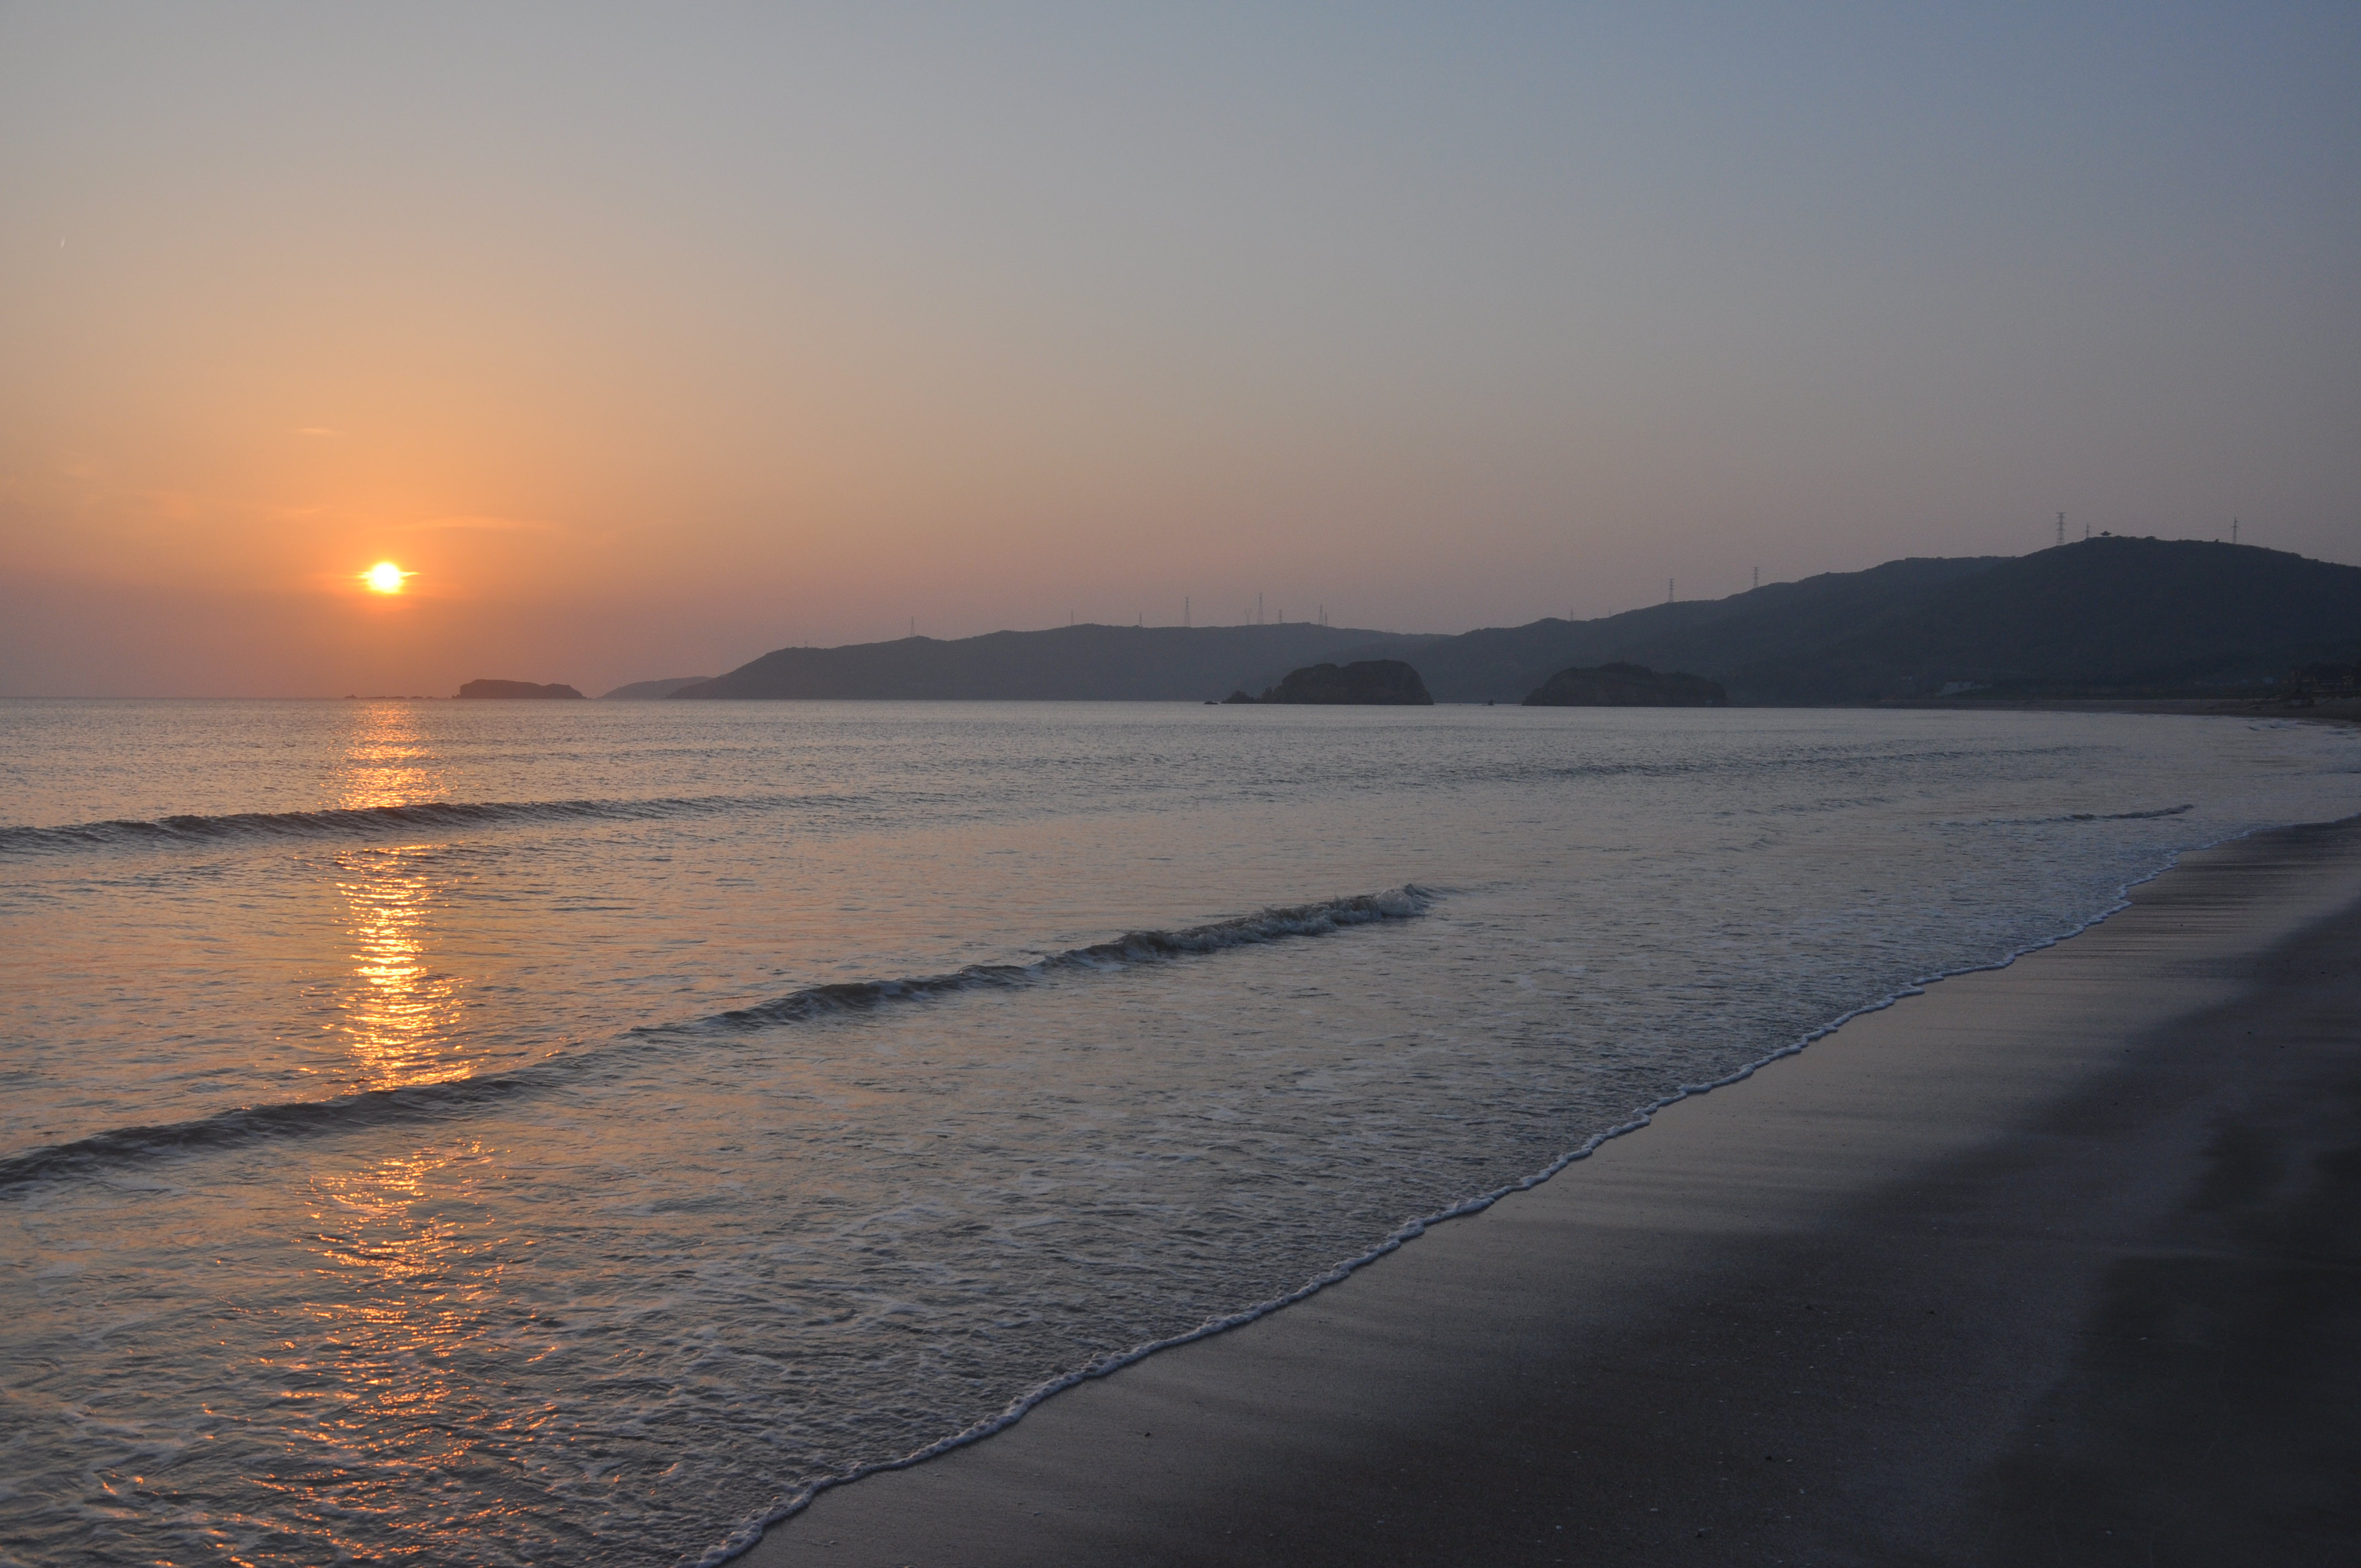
<point x="2105" y="619"/>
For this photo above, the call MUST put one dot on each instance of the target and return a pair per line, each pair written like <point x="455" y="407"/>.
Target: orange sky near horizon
<point x="649" y="343"/>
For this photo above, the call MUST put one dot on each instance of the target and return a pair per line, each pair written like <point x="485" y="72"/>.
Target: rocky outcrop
<point x="1627" y="685"/>
<point x="517" y="688"/>
<point x="1371" y="681"/>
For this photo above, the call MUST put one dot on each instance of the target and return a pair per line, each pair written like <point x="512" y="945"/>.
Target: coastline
<point x="2342" y="712"/>
<point x="1872" y="1305"/>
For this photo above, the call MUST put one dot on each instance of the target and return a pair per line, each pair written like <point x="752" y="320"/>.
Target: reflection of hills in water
<point x="2109" y="612"/>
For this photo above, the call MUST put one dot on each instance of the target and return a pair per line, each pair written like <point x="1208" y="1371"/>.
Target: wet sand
<point x="2058" y="1263"/>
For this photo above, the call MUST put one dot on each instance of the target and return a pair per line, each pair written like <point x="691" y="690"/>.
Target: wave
<point x="453" y="1097"/>
<point x="1130" y="949"/>
<point x="2075" y="816"/>
<point x="289" y="1118"/>
<point x="368" y="821"/>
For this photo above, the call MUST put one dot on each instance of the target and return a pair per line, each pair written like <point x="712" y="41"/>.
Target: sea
<point x="505" y="1132"/>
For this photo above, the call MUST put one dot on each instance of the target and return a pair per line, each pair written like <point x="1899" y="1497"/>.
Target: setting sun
<point x="385" y="577"/>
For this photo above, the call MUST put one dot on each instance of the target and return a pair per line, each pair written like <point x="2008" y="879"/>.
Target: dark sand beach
<point x="2056" y="1263"/>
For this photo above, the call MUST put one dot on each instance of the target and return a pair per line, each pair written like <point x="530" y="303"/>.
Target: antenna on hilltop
<point x="1758" y="577"/>
<point x="2061" y="528"/>
<point x="2234" y="530"/>
<point x="1668" y="590"/>
<point x="1184" y="610"/>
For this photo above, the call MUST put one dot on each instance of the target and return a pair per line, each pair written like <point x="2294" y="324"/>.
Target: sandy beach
<point x="2053" y="1264"/>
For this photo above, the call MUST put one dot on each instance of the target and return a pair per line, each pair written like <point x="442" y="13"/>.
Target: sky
<point x="648" y="339"/>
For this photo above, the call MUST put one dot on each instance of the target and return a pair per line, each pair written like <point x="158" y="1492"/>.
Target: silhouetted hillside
<point x="1135" y="663"/>
<point x="2115" y="615"/>
<point x="1711" y="637"/>
<point x="2103" y="613"/>
<point x="2123" y="615"/>
<point x="652" y="691"/>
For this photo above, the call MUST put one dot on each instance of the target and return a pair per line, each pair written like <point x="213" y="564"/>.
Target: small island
<point x="1627" y="685"/>
<point x="1367" y="681"/>
<point x="518" y="689"/>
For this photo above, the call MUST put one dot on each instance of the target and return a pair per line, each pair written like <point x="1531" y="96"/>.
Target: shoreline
<point x="2339" y="712"/>
<point x="1436" y="1402"/>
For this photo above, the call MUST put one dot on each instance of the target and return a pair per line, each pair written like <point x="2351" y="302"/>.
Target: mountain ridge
<point x="2113" y="612"/>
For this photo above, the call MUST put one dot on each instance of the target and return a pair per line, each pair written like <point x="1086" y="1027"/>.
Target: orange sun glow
<point x="385" y="577"/>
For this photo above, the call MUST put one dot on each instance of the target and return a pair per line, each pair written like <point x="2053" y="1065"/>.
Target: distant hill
<point x="1713" y="638"/>
<point x="1109" y="663"/>
<point x="2102" y="615"/>
<point x="2098" y="616"/>
<point x="649" y="691"/>
<point x="516" y="690"/>
<point x="2110" y="613"/>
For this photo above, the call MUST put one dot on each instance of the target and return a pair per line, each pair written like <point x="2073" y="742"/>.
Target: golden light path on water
<point x="398" y="1010"/>
<point x="409" y="1273"/>
<point x="405" y="1365"/>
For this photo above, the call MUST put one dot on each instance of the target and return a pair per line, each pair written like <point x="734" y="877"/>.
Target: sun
<point x="385" y="577"/>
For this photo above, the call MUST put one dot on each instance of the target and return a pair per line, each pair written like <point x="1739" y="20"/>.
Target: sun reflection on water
<point x="399" y="1011"/>
<point x="389" y="759"/>
<point x="397" y="1389"/>
<point x="411" y="1342"/>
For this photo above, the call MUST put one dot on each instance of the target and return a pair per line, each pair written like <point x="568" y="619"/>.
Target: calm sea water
<point x="527" y="1133"/>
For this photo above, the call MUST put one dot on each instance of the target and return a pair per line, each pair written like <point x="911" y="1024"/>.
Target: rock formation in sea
<point x="1386" y="681"/>
<point x="1627" y="685"/>
<point x="517" y="688"/>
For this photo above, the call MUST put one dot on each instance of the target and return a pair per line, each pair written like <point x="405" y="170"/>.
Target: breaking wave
<point x="455" y="1097"/>
<point x="370" y="821"/>
<point x="1132" y="948"/>
<point x="2075" y="816"/>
